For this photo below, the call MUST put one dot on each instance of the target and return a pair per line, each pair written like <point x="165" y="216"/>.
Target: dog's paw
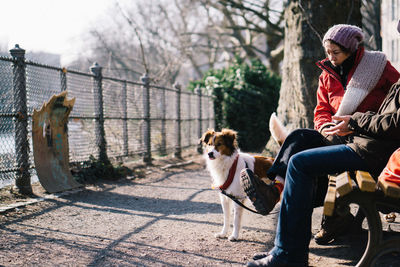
<point x="220" y="235"/>
<point x="232" y="238"/>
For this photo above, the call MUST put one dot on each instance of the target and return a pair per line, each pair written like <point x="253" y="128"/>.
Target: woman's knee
<point x="298" y="163"/>
<point x="305" y="137"/>
<point x="302" y="133"/>
<point x="298" y="171"/>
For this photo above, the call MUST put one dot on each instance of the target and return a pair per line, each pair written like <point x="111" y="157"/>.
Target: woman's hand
<point x="342" y="128"/>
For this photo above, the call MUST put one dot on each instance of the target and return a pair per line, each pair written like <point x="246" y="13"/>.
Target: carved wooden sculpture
<point x="50" y="144"/>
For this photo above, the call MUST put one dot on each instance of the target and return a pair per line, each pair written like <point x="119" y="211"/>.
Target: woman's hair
<point x="344" y="49"/>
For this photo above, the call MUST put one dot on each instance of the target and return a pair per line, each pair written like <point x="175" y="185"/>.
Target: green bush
<point x="245" y="95"/>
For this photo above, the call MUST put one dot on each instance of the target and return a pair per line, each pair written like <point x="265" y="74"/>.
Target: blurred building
<point x="390" y="37"/>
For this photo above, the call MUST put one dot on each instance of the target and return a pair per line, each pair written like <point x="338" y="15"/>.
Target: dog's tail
<point x="277" y="129"/>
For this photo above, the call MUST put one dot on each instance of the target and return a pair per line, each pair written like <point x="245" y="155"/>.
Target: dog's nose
<point x="210" y="154"/>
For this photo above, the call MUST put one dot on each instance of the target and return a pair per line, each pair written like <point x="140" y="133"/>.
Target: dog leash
<point x="238" y="201"/>
<point x="222" y="189"/>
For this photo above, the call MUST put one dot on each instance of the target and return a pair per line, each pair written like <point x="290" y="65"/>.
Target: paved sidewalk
<point x="167" y="221"/>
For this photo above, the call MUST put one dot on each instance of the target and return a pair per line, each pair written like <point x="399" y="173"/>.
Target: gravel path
<point x="166" y="220"/>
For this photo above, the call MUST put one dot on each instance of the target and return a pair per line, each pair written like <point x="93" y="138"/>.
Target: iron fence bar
<point x="3" y="58"/>
<point x="125" y="118"/>
<point x="80" y="73"/>
<point x="8" y="115"/>
<point x="199" y="124"/>
<point x="122" y="81"/>
<point x="96" y="69"/>
<point x="63" y="76"/>
<point x="7" y="170"/>
<point x="146" y="120"/>
<point x="178" y="146"/>
<point x="162" y="88"/>
<point x="23" y="179"/>
<point x="163" y="149"/>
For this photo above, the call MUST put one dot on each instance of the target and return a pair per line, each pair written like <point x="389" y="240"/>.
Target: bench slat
<point x="344" y="183"/>
<point x="390" y="189"/>
<point x="329" y="203"/>
<point x="365" y="181"/>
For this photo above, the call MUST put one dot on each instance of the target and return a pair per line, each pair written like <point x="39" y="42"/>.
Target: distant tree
<point x="252" y="29"/>
<point x="371" y="22"/>
<point x="185" y="38"/>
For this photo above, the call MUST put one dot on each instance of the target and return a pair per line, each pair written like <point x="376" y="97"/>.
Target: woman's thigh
<point x="327" y="160"/>
<point x="297" y="141"/>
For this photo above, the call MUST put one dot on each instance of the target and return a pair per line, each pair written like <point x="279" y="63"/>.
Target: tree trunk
<point x="306" y="23"/>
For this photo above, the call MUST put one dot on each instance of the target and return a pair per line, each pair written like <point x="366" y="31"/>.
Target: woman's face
<point x="335" y="54"/>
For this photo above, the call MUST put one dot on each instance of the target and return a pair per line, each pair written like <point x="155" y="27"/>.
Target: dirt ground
<point x="165" y="215"/>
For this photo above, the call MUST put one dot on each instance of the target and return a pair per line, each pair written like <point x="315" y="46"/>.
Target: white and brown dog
<point x="225" y="162"/>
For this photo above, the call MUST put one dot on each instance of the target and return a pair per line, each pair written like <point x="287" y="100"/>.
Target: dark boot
<point x="271" y="261"/>
<point x="260" y="255"/>
<point x="334" y="226"/>
<point x="263" y="196"/>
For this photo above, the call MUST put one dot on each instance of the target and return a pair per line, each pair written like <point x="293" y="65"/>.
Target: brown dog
<point x="225" y="162"/>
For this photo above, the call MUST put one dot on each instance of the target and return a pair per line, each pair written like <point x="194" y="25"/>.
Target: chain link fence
<point x="112" y="118"/>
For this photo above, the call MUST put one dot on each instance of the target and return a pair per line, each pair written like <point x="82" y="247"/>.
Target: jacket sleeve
<point x="380" y="125"/>
<point x="323" y="110"/>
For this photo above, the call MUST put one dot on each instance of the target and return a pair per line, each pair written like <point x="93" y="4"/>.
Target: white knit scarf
<point x="364" y="79"/>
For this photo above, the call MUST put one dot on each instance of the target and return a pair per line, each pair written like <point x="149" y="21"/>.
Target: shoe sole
<point x="260" y="255"/>
<point x="249" y="188"/>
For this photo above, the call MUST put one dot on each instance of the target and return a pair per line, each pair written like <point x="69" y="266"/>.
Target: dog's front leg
<point x="237" y="222"/>
<point x="225" y="203"/>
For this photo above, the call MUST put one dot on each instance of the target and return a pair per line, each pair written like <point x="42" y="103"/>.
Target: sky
<point x="52" y="26"/>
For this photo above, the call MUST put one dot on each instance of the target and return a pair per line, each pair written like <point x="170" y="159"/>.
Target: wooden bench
<point x="372" y="198"/>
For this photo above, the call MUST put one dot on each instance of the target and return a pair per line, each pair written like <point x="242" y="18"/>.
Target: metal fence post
<point x="63" y="77"/>
<point x="178" y="146"/>
<point x="96" y="69"/>
<point x="23" y="179"/>
<point x="190" y="121"/>
<point x="125" y="119"/>
<point x="146" y="119"/>
<point x="163" y="148"/>
<point x="199" y="130"/>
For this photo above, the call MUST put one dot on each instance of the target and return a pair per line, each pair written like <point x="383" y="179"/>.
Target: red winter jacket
<point x="330" y="90"/>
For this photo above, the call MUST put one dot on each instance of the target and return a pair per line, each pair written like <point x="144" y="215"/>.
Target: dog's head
<point x="219" y="143"/>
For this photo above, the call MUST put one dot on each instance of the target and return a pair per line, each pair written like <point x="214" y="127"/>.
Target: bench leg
<point x="374" y="233"/>
<point x="376" y="246"/>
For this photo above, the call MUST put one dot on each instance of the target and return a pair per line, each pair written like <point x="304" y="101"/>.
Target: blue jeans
<point x="293" y="232"/>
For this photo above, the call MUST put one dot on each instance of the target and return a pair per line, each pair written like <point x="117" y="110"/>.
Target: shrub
<point x="245" y="95"/>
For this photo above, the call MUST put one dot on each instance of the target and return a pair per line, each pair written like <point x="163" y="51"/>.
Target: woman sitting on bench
<point x="375" y="136"/>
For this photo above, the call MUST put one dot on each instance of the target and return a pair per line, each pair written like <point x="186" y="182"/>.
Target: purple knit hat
<point x="349" y="36"/>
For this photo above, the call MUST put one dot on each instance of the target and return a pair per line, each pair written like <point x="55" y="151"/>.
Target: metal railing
<point x="111" y="119"/>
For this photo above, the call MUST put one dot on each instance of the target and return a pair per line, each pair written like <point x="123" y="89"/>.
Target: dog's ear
<point x="231" y="137"/>
<point x="206" y="136"/>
